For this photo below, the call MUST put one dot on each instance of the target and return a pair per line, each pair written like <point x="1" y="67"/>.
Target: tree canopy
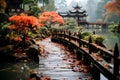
<point x="48" y="18"/>
<point x="113" y="7"/>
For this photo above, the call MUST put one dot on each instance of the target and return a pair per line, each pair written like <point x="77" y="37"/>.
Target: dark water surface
<point x="17" y="71"/>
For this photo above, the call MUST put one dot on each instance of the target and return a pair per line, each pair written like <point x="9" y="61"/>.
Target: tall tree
<point x="91" y="8"/>
<point x="30" y="3"/>
<point x="50" y="6"/>
<point x="100" y="11"/>
<point x="44" y="2"/>
<point x="113" y="7"/>
<point x="113" y="11"/>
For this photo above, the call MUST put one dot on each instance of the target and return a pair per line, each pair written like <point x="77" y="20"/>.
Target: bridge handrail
<point x="92" y="44"/>
<point x="81" y="42"/>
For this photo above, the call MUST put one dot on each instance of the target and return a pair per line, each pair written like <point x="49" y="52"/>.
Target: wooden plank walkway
<point x="60" y="64"/>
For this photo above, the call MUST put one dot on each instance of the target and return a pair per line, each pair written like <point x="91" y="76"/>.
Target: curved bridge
<point x="98" y="57"/>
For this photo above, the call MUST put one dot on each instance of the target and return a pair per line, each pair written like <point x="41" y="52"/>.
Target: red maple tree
<point x="21" y="24"/>
<point x="48" y="18"/>
<point x="113" y="7"/>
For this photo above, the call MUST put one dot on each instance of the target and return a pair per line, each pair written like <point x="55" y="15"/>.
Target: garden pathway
<point x="57" y="65"/>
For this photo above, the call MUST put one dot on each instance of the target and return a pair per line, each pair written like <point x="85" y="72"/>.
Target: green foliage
<point x="71" y="21"/>
<point x="84" y="34"/>
<point x="44" y="32"/>
<point x="3" y="17"/>
<point x="4" y="31"/>
<point x="99" y="40"/>
<point x="115" y="27"/>
<point x="28" y="1"/>
<point x="95" y="38"/>
<point x="35" y="11"/>
<point x="70" y="24"/>
<point x="4" y="26"/>
<point x="50" y="6"/>
<point x="113" y="18"/>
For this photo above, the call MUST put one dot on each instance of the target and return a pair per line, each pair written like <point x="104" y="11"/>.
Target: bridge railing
<point x="111" y="71"/>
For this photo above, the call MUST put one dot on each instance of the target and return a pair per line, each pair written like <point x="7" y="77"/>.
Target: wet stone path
<point x="57" y="65"/>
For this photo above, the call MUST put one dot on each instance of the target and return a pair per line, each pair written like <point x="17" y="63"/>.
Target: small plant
<point x="99" y="40"/>
<point x="84" y="34"/>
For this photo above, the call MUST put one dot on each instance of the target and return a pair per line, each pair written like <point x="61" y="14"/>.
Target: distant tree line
<point x="7" y="5"/>
<point x="104" y="10"/>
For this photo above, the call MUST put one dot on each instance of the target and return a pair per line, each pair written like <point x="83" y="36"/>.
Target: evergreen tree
<point x="100" y="11"/>
<point x="50" y="6"/>
<point x="44" y="2"/>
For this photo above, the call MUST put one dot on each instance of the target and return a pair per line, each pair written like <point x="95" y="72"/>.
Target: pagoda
<point x="77" y="13"/>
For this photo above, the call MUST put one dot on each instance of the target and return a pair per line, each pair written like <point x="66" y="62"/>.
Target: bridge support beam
<point x="116" y="63"/>
<point x="95" y="73"/>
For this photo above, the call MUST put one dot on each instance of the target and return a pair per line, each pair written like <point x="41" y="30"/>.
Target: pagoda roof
<point x="77" y="12"/>
<point x="77" y="7"/>
<point x="72" y="15"/>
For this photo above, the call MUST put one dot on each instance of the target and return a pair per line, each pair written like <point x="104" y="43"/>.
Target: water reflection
<point x="17" y="71"/>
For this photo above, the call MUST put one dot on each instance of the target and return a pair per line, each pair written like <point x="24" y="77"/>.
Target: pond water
<point x="110" y="38"/>
<point x="17" y="71"/>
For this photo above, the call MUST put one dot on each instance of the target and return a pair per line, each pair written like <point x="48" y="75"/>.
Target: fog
<point x="88" y="5"/>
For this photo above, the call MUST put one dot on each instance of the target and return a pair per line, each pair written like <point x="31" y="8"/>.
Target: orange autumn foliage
<point x="113" y="7"/>
<point x="46" y="18"/>
<point x="17" y="39"/>
<point x="23" y="22"/>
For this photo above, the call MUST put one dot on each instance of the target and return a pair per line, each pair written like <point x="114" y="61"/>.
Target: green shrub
<point x="3" y="17"/>
<point x="95" y="39"/>
<point x="99" y="39"/>
<point x="44" y="32"/>
<point x="84" y="34"/>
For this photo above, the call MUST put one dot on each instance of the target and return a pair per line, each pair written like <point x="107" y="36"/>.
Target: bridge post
<point x="56" y="32"/>
<point x="95" y="73"/>
<point x="64" y="34"/>
<point x="90" y="41"/>
<point x="86" y="60"/>
<point x="80" y="39"/>
<point x="69" y="35"/>
<point x="116" y="63"/>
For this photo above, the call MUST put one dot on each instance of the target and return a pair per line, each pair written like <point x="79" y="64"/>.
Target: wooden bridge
<point x="98" y="24"/>
<point x="94" y="55"/>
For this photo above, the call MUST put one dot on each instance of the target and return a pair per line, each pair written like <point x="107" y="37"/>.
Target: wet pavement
<point x="56" y="66"/>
